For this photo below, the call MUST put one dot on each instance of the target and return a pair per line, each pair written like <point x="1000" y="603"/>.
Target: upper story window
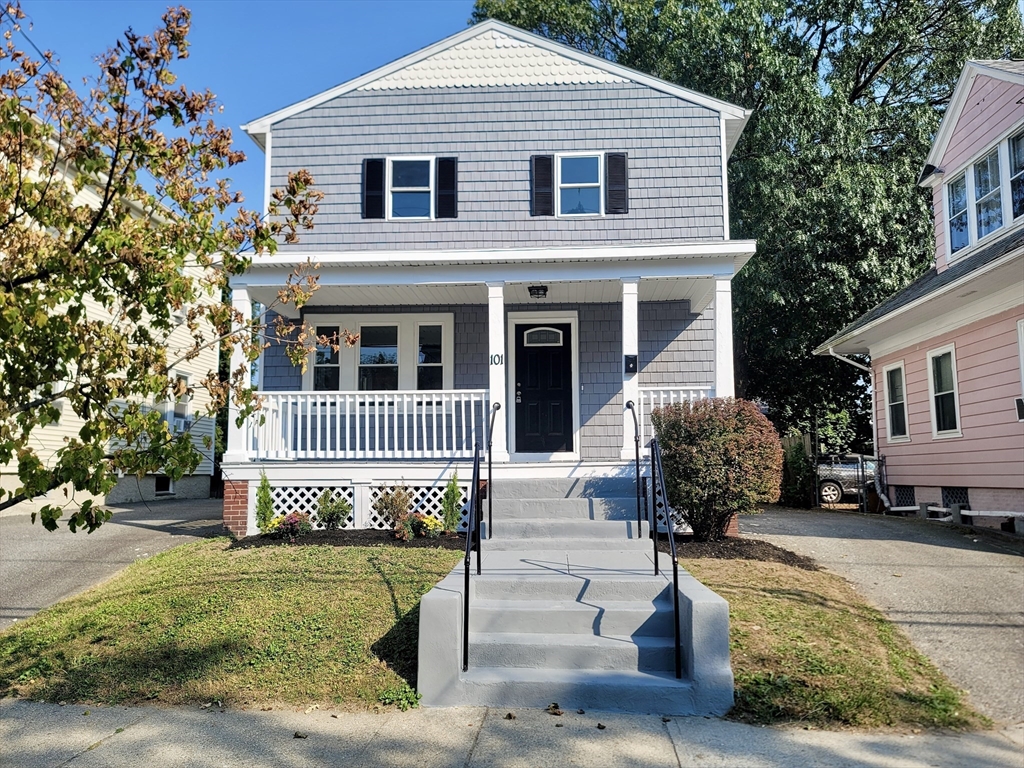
<point x="987" y="195"/>
<point x="410" y="188"/>
<point x="579" y="184"/>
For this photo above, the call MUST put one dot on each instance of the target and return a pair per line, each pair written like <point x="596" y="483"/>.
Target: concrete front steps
<point x="568" y="609"/>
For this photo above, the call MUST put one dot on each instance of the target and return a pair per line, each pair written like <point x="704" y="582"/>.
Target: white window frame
<point x="600" y="185"/>
<point x="889" y="438"/>
<point x="431" y="187"/>
<point x="949" y="433"/>
<point x="1020" y="355"/>
<point x="996" y="190"/>
<point x="1011" y="175"/>
<point x="169" y="407"/>
<point x="408" y="347"/>
<point x="1002" y="148"/>
<point x="416" y="346"/>
<point x="170" y="487"/>
<point x="371" y="323"/>
<point x="968" y="190"/>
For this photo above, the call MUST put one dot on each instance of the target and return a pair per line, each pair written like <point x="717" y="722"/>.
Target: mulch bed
<point x="727" y="549"/>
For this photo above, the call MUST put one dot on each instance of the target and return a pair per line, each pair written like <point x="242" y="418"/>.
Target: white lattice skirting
<point x="426" y="499"/>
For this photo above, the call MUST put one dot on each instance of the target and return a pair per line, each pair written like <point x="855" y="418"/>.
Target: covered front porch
<point x="532" y="359"/>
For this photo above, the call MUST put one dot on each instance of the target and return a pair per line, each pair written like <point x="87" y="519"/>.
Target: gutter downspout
<point x="874" y="414"/>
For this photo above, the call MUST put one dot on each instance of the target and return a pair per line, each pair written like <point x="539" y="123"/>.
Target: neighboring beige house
<point x="181" y="416"/>
<point x="947" y="352"/>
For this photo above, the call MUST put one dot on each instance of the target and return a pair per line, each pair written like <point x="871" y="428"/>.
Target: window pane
<point x="382" y="377"/>
<point x="990" y="215"/>
<point x="945" y="412"/>
<point x="326" y="379"/>
<point x="410" y="173"/>
<point x="986" y="175"/>
<point x="1016" y="154"/>
<point x="378" y="345"/>
<point x="430" y="377"/>
<point x="1017" y="196"/>
<point x="430" y="344"/>
<point x="959" y="237"/>
<point x="326" y="355"/>
<point x="580" y="200"/>
<point x="408" y="205"/>
<point x="580" y="170"/>
<point x="896" y="385"/>
<point x="897" y="420"/>
<point x="942" y="372"/>
<point x="957" y="191"/>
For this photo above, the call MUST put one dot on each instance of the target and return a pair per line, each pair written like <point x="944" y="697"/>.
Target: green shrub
<point x="451" y="505"/>
<point x="264" y="504"/>
<point x="292" y="526"/>
<point x="721" y="457"/>
<point x="798" y="478"/>
<point x="391" y="503"/>
<point x="332" y="510"/>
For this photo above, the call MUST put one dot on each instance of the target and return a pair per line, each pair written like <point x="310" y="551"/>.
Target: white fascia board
<point x="735" y="115"/>
<point x="893" y="316"/>
<point x="956" y="107"/>
<point x="733" y="249"/>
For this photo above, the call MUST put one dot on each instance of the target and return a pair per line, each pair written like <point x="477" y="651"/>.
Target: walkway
<point x="958" y="595"/>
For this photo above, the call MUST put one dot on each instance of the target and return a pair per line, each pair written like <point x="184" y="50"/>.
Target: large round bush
<point x="721" y="457"/>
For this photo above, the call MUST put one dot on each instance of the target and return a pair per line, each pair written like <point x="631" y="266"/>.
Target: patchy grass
<point x="205" y="622"/>
<point x="807" y="648"/>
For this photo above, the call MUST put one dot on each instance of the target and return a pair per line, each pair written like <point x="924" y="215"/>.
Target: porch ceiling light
<point x="538" y="291"/>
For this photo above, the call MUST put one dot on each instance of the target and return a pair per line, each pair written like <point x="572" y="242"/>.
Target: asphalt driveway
<point x="959" y="595"/>
<point x="38" y="568"/>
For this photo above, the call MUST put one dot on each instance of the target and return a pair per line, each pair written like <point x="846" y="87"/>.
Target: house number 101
<point x="497" y="359"/>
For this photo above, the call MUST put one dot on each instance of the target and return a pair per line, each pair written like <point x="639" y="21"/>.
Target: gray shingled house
<point x="524" y="235"/>
<point x="506" y="221"/>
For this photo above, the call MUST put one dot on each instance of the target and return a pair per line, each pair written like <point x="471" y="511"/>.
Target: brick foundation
<point x="732" y="530"/>
<point x="236" y="507"/>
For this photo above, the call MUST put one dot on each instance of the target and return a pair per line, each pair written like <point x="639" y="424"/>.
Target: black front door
<point x="543" y="393"/>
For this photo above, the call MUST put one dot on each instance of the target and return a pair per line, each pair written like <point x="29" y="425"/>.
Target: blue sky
<point x="256" y="56"/>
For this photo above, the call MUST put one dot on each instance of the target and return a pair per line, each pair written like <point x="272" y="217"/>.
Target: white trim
<point x="559" y="343"/>
<point x="497" y="368"/>
<point x="259" y="127"/>
<point x="1020" y="354"/>
<point x="725" y="178"/>
<point x="889" y="438"/>
<point x="431" y="186"/>
<point x="725" y="381"/>
<point x="630" y="346"/>
<point x="938" y="352"/>
<point x="266" y="176"/>
<point x="572" y="318"/>
<point x="236" y="448"/>
<point x="600" y="185"/>
<point x="408" y="339"/>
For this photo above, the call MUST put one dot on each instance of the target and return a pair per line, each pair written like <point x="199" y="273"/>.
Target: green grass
<point x="242" y="626"/>
<point x="806" y="648"/>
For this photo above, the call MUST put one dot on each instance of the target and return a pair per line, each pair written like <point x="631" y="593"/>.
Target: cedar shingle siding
<point x="674" y="151"/>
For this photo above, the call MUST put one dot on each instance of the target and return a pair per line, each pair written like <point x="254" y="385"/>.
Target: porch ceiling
<point x="698" y="290"/>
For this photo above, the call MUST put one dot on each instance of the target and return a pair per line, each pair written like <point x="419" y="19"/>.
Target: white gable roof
<point x="1010" y="70"/>
<point x="496" y="54"/>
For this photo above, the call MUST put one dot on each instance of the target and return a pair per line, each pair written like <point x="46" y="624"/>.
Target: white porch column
<point x="724" y="381"/>
<point x="496" y="368"/>
<point x="630" y="346"/>
<point x="237" y="450"/>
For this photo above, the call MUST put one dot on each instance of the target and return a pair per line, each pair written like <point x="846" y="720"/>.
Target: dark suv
<point x="841" y="475"/>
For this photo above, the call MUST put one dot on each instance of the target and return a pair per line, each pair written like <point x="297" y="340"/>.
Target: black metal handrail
<point x="661" y="500"/>
<point x="636" y="446"/>
<point x="472" y="542"/>
<point x="495" y="407"/>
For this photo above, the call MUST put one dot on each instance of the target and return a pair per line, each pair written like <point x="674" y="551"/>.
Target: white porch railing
<point x="369" y="425"/>
<point x="657" y="397"/>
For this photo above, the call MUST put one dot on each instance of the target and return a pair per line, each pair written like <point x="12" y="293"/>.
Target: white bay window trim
<point x="408" y="324"/>
<point x="888" y="401"/>
<point x="949" y="349"/>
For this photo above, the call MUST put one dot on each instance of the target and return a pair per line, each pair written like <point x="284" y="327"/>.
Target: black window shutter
<point x="542" y="185"/>
<point x="616" y="174"/>
<point x="447" y="203"/>
<point x="373" y="188"/>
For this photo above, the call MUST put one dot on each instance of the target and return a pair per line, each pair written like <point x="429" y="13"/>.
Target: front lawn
<point x="207" y="622"/>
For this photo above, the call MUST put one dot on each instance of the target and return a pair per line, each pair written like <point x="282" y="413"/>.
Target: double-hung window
<point x="378" y="357"/>
<point x="988" y="204"/>
<point x="326" y="373"/>
<point x="1017" y="176"/>
<point x="956" y="196"/>
<point x="429" y="358"/>
<point x="410" y="188"/>
<point x="896" y="402"/>
<point x="942" y="389"/>
<point x="579" y="185"/>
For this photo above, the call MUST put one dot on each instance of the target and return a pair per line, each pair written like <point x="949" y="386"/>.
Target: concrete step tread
<point x="661" y="603"/>
<point x="574" y="545"/>
<point x="577" y="677"/>
<point x="575" y="640"/>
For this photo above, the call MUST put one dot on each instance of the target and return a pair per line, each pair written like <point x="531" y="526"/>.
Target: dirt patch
<point x="738" y="549"/>
<point x="363" y="537"/>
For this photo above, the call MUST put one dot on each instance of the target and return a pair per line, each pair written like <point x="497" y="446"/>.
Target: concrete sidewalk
<point x="34" y="735"/>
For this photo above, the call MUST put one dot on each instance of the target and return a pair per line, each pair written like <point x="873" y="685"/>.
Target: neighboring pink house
<point x="947" y="352"/>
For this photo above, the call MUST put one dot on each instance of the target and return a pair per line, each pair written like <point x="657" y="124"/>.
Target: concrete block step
<point x="578" y="588"/>
<point x="559" y="529"/>
<point x="609" y="508"/>
<point x="566" y="544"/>
<point x="523" y="650"/>
<point x="622" y="690"/>
<point x="563" y="617"/>
<point x="566" y="487"/>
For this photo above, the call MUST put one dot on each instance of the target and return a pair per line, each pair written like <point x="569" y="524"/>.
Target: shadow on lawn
<point x="399" y="647"/>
